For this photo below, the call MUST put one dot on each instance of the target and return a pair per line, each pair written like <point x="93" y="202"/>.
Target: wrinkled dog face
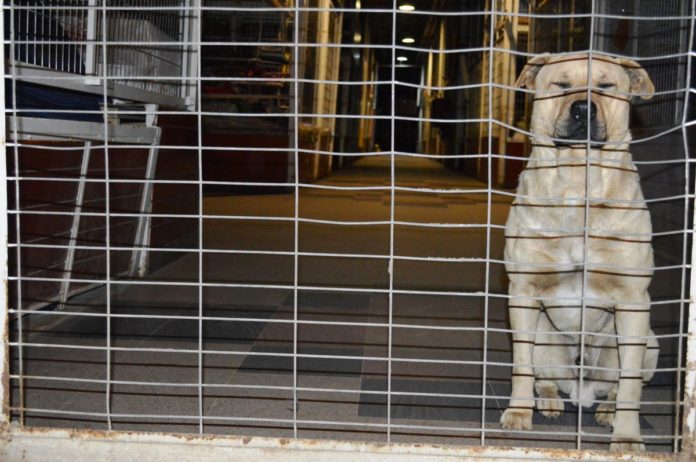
<point x="561" y="106"/>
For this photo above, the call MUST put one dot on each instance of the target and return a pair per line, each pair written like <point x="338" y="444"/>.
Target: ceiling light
<point x="357" y="37"/>
<point x="358" y="5"/>
<point x="408" y="40"/>
<point x="406" y="7"/>
<point x="402" y="59"/>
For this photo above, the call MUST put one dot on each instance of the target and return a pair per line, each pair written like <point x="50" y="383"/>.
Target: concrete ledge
<point x="76" y="446"/>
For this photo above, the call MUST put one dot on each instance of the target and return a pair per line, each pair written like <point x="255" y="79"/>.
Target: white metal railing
<point x="119" y="39"/>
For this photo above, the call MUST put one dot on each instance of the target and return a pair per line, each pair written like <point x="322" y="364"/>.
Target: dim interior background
<point x="279" y="219"/>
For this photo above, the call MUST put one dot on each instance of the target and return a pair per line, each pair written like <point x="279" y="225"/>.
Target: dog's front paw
<point x="626" y="443"/>
<point x="604" y="415"/>
<point x="549" y="407"/>
<point x="517" y="419"/>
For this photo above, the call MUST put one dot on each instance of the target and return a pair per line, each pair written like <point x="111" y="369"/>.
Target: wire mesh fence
<point x="313" y="245"/>
<point x="80" y="37"/>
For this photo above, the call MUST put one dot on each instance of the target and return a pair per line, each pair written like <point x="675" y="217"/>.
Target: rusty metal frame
<point x="27" y="444"/>
<point x="688" y="446"/>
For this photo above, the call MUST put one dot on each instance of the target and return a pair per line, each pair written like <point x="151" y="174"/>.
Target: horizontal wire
<point x="348" y="324"/>
<point x="215" y="386"/>
<point x="351" y="223"/>
<point x="265" y="80"/>
<point x="318" y="390"/>
<point x="329" y="423"/>
<point x="289" y="253"/>
<point x="314" y="356"/>
<point x="347" y="154"/>
<point x="271" y="115"/>
<point x="337" y="9"/>
<point x="311" y="45"/>
<point x="313" y="288"/>
<point x="232" y="319"/>
<point x="544" y="268"/>
<point x="436" y="192"/>
<point x="536" y="233"/>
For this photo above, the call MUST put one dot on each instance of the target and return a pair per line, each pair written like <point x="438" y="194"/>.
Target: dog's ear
<point x="530" y="71"/>
<point x="640" y="80"/>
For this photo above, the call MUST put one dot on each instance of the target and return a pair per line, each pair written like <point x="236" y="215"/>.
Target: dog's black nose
<point x="577" y="360"/>
<point x="578" y="110"/>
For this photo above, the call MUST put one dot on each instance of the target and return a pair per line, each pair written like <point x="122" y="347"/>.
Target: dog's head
<point x="562" y="108"/>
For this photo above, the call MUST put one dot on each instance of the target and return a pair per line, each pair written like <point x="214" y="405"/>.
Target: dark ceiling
<point x="375" y="18"/>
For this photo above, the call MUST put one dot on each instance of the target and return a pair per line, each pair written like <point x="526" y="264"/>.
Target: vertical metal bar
<point x="392" y="199"/>
<point x="60" y="16"/>
<point x="107" y="225"/>
<point x="25" y="36"/>
<point x="76" y="26"/>
<point x="89" y="59"/>
<point x="489" y="203"/>
<point x="300" y="32"/>
<point x="586" y="225"/>
<point x="4" y="250"/>
<point x="295" y="122"/>
<point x="322" y="60"/>
<point x="335" y="73"/>
<point x="140" y="254"/>
<point x="192" y="23"/>
<point x="47" y="13"/>
<point x="683" y="80"/>
<point x="688" y="440"/>
<point x="76" y="21"/>
<point x="199" y="121"/>
<point x="39" y="35"/>
<point x="687" y="37"/>
<point x="184" y="31"/>
<point x="17" y="202"/>
<point x="75" y="229"/>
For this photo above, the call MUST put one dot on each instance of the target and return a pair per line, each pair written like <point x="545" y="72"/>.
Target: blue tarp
<point x="43" y="99"/>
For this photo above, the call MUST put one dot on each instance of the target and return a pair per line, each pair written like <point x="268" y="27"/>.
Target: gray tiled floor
<point x="249" y="323"/>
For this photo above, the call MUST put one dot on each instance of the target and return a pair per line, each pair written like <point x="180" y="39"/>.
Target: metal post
<point x="191" y="23"/>
<point x="75" y="230"/>
<point x="90" y="61"/>
<point x="139" y="258"/>
<point x="184" y="31"/>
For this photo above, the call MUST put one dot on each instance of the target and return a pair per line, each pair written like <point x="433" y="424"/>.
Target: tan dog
<point x="558" y="250"/>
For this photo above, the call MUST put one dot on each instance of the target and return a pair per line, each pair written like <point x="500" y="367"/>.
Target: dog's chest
<point x="554" y="229"/>
<point x="571" y="198"/>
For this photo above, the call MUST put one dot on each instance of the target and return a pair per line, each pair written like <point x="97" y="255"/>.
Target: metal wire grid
<point x="64" y="35"/>
<point x="19" y="343"/>
<point x="142" y="22"/>
<point x="37" y="25"/>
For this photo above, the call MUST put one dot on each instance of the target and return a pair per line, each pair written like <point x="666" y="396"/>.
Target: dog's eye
<point x="563" y="85"/>
<point x="605" y="86"/>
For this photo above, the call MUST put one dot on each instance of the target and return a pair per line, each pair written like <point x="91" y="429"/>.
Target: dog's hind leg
<point x="524" y="314"/>
<point x="548" y="402"/>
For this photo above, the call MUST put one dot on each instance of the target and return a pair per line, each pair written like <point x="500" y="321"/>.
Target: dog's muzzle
<point x="574" y="126"/>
